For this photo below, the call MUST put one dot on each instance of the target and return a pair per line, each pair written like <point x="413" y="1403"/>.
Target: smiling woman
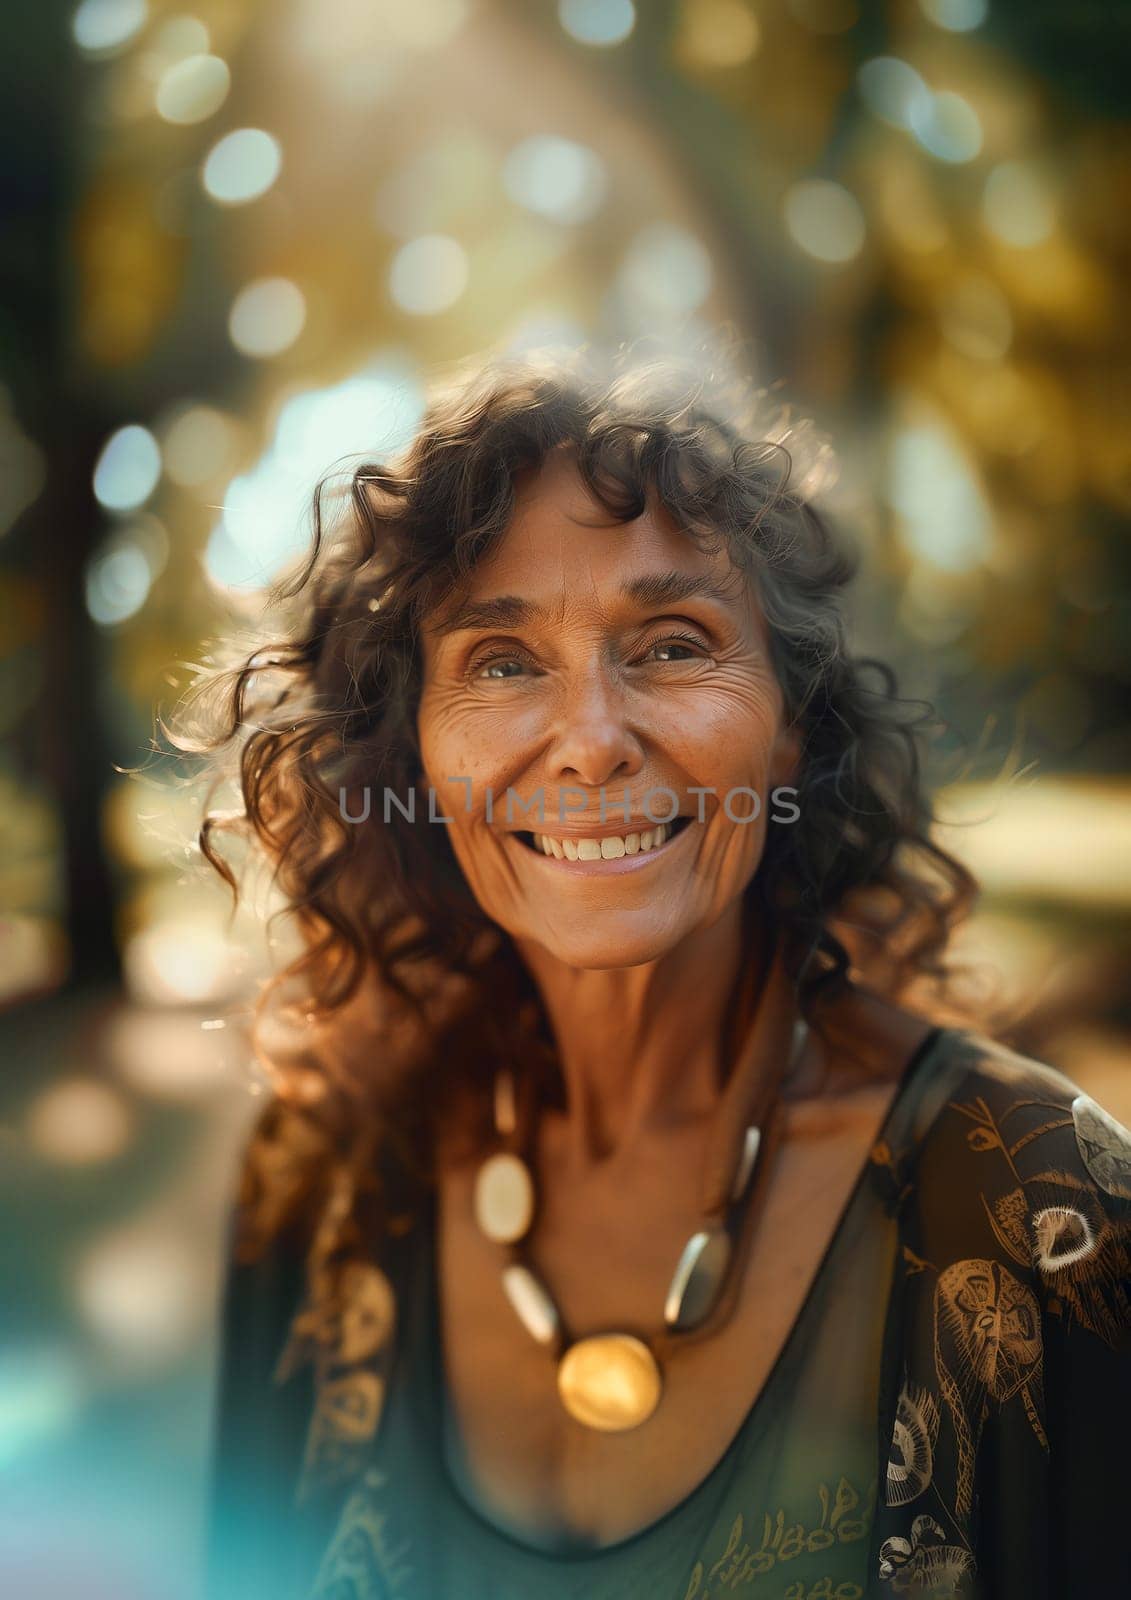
<point x="623" y="1222"/>
<point x="631" y="660"/>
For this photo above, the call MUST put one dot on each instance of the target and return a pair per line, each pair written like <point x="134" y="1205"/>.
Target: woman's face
<point x="577" y="660"/>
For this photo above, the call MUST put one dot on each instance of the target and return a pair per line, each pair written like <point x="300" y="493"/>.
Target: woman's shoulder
<point x="1002" y="1072"/>
<point x="1018" y="1191"/>
<point x="992" y="1120"/>
<point x="973" y="1121"/>
<point x="1011" y="1335"/>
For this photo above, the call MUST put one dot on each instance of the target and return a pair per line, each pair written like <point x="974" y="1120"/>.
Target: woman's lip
<point x="614" y="864"/>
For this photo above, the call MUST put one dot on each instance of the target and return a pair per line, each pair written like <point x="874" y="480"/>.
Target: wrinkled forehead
<point x="562" y="550"/>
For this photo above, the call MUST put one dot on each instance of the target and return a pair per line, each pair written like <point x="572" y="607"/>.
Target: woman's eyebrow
<point x="651" y="589"/>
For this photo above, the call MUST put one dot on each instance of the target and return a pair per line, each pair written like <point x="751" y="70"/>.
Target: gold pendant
<point x="610" y="1381"/>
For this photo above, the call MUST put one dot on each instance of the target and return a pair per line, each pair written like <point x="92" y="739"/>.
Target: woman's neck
<point x="643" y="1049"/>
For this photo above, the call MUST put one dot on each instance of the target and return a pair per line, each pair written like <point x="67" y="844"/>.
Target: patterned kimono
<point x="1008" y="1346"/>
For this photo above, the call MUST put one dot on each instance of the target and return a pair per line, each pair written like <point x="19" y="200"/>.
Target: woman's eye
<point x="492" y="668"/>
<point x="483" y="668"/>
<point x="678" y="641"/>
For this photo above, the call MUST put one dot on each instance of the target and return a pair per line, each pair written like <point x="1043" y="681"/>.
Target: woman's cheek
<point x="451" y="744"/>
<point x="473" y="730"/>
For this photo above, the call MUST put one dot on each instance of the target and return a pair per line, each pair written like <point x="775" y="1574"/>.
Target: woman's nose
<point x="594" y="739"/>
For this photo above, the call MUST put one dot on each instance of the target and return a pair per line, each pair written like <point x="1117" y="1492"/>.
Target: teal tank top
<point x="786" y="1512"/>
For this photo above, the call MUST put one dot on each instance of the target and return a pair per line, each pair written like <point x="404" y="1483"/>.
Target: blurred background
<point x="238" y="240"/>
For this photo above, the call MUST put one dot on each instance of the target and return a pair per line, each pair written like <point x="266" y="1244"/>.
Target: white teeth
<point x="607" y="849"/>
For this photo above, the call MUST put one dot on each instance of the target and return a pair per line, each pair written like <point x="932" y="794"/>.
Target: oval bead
<point x="506" y="1112"/>
<point x="504" y="1197"/>
<point x="610" y="1381"/>
<point x="531" y="1301"/>
<point x="697" y="1279"/>
<point x="750" y="1145"/>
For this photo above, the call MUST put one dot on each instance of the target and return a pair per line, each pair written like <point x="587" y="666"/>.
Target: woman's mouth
<point x="636" y="845"/>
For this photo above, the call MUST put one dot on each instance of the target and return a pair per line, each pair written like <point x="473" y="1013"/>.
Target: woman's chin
<point x="613" y="942"/>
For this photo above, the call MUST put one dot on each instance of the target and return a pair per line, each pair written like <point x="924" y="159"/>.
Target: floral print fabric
<point x="1009" y="1340"/>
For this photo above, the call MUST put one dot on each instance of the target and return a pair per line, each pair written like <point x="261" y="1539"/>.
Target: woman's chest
<point x="606" y="1248"/>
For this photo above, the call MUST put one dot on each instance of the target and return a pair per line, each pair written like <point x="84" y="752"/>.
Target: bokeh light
<point x="371" y="413"/>
<point x="944" y="124"/>
<point x="825" y="219"/>
<point x="120" y="574"/>
<point x="894" y="91"/>
<point x="599" y="22"/>
<point x="666" y="272"/>
<point x="267" y="317"/>
<point x="104" y="25"/>
<point x="958" y="16"/>
<point x="241" y="166"/>
<point x="198" y="445"/>
<point x="79" y="1121"/>
<point x="175" y="40"/>
<point x="718" y="33"/>
<point x="168" y="1056"/>
<point x="556" y="178"/>
<point x="943" y="514"/>
<point x="193" y="89"/>
<point x="128" y="469"/>
<point x="947" y="126"/>
<point x="428" y="274"/>
<point x="117" y="584"/>
<point x="140" y="1292"/>
<point x="41" y="1391"/>
<point x="182" y="962"/>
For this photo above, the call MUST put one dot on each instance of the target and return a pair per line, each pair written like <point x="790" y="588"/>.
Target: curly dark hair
<point x="398" y="964"/>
